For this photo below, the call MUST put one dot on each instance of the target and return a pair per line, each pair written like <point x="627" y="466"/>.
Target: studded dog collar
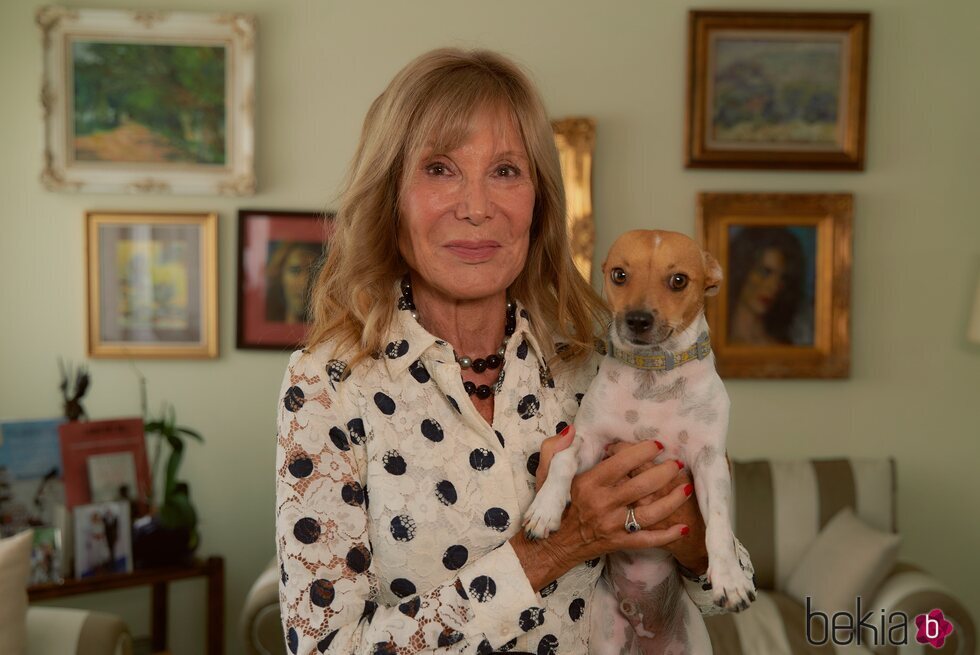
<point x="665" y="361"/>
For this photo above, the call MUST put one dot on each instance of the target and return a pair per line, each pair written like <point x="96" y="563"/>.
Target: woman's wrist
<point x="542" y="562"/>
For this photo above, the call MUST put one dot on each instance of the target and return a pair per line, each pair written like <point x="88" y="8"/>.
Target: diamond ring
<point x="631" y="525"/>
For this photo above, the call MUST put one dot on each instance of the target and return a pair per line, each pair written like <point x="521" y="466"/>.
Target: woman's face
<point x="465" y="214"/>
<point x="295" y="282"/>
<point x="764" y="282"/>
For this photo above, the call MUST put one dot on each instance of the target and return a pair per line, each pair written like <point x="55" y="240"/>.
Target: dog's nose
<point x="639" y="321"/>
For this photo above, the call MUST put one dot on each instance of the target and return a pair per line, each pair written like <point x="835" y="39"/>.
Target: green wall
<point x="913" y="392"/>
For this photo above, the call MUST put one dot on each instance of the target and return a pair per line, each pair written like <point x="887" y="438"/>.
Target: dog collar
<point x="666" y="361"/>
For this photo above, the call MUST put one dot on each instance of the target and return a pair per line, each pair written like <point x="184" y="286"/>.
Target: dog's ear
<point x="712" y="273"/>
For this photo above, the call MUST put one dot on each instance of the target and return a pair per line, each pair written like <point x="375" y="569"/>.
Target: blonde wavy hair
<point x="430" y="103"/>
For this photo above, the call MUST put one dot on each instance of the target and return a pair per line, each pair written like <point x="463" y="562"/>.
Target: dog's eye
<point x="677" y="281"/>
<point x="618" y="276"/>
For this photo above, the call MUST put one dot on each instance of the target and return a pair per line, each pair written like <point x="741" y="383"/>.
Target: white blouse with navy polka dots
<point x="395" y="501"/>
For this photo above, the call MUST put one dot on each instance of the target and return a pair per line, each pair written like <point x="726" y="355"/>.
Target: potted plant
<point x="168" y="535"/>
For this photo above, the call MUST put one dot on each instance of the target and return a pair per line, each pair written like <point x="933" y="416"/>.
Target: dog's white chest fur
<point x="683" y="408"/>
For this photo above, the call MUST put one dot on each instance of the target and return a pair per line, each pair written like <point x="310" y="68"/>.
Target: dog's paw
<point x="544" y="515"/>
<point x="731" y="588"/>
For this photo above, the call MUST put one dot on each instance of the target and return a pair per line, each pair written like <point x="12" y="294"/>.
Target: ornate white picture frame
<point x="148" y="101"/>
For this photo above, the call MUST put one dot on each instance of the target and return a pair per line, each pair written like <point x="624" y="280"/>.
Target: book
<point x="30" y="473"/>
<point x="80" y="441"/>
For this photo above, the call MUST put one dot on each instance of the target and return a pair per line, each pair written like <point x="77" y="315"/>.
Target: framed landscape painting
<point x="784" y="306"/>
<point x="148" y="101"/>
<point x="279" y="255"/>
<point x="777" y="89"/>
<point x="152" y="285"/>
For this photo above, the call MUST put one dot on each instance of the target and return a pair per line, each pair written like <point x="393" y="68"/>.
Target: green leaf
<point x="191" y="433"/>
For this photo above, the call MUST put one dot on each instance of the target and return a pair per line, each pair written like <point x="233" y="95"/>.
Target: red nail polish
<point x="688" y="489"/>
<point x="680" y="464"/>
<point x="565" y="430"/>
<point x="659" y="445"/>
<point x="685" y="531"/>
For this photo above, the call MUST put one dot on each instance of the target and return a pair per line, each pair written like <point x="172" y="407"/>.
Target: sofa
<point x="62" y="631"/>
<point x="778" y="510"/>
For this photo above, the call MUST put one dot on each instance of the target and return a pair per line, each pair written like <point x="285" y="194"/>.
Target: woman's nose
<point x="474" y="204"/>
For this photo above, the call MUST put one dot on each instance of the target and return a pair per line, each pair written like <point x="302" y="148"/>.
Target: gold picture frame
<point x="152" y="284"/>
<point x="784" y="306"/>
<point x="575" y="140"/>
<point x="784" y="90"/>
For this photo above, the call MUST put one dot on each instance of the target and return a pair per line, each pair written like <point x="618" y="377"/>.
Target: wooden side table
<point x="212" y="568"/>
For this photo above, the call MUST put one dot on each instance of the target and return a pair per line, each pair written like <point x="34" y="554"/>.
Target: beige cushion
<point x="848" y="559"/>
<point x="15" y="569"/>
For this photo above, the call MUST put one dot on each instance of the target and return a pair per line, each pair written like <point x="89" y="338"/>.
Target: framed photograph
<point x="784" y="306"/>
<point x="103" y="539"/>
<point x="152" y="285"/>
<point x="148" y="101"/>
<point x="279" y="254"/>
<point x="46" y="556"/>
<point x="575" y="139"/>
<point x="777" y="89"/>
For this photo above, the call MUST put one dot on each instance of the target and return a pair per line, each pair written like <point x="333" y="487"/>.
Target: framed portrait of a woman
<point x="279" y="253"/>
<point x="784" y="306"/>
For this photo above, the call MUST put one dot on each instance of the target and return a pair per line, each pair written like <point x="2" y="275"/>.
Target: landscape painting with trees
<point x="138" y="102"/>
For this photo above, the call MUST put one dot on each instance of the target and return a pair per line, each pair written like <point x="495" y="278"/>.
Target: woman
<point x="415" y="425"/>
<point x="764" y="296"/>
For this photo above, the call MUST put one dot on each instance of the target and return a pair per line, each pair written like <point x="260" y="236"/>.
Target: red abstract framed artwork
<point x="279" y="253"/>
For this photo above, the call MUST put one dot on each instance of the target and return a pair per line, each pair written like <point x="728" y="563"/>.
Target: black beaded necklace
<point x="492" y="361"/>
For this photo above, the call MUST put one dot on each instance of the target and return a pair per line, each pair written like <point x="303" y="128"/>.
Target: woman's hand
<point x="593" y="522"/>
<point x="690" y="549"/>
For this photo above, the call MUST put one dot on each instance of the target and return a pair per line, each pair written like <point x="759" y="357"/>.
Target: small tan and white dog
<point x="657" y="382"/>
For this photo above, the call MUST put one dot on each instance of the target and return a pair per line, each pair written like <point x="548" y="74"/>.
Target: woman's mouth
<point x="473" y="251"/>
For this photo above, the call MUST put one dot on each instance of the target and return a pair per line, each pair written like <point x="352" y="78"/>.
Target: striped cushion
<point x="780" y="506"/>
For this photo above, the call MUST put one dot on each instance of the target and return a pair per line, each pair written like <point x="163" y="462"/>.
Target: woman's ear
<point x="712" y="273"/>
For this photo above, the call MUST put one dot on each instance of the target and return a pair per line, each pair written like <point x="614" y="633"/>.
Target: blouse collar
<point x="409" y="340"/>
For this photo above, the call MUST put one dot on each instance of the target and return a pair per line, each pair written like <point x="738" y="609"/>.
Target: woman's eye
<point x="618" y="276"/>
<point x="507" y="171"/>
<point x="678" y="281"/>
<point x="437" y="168"/>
